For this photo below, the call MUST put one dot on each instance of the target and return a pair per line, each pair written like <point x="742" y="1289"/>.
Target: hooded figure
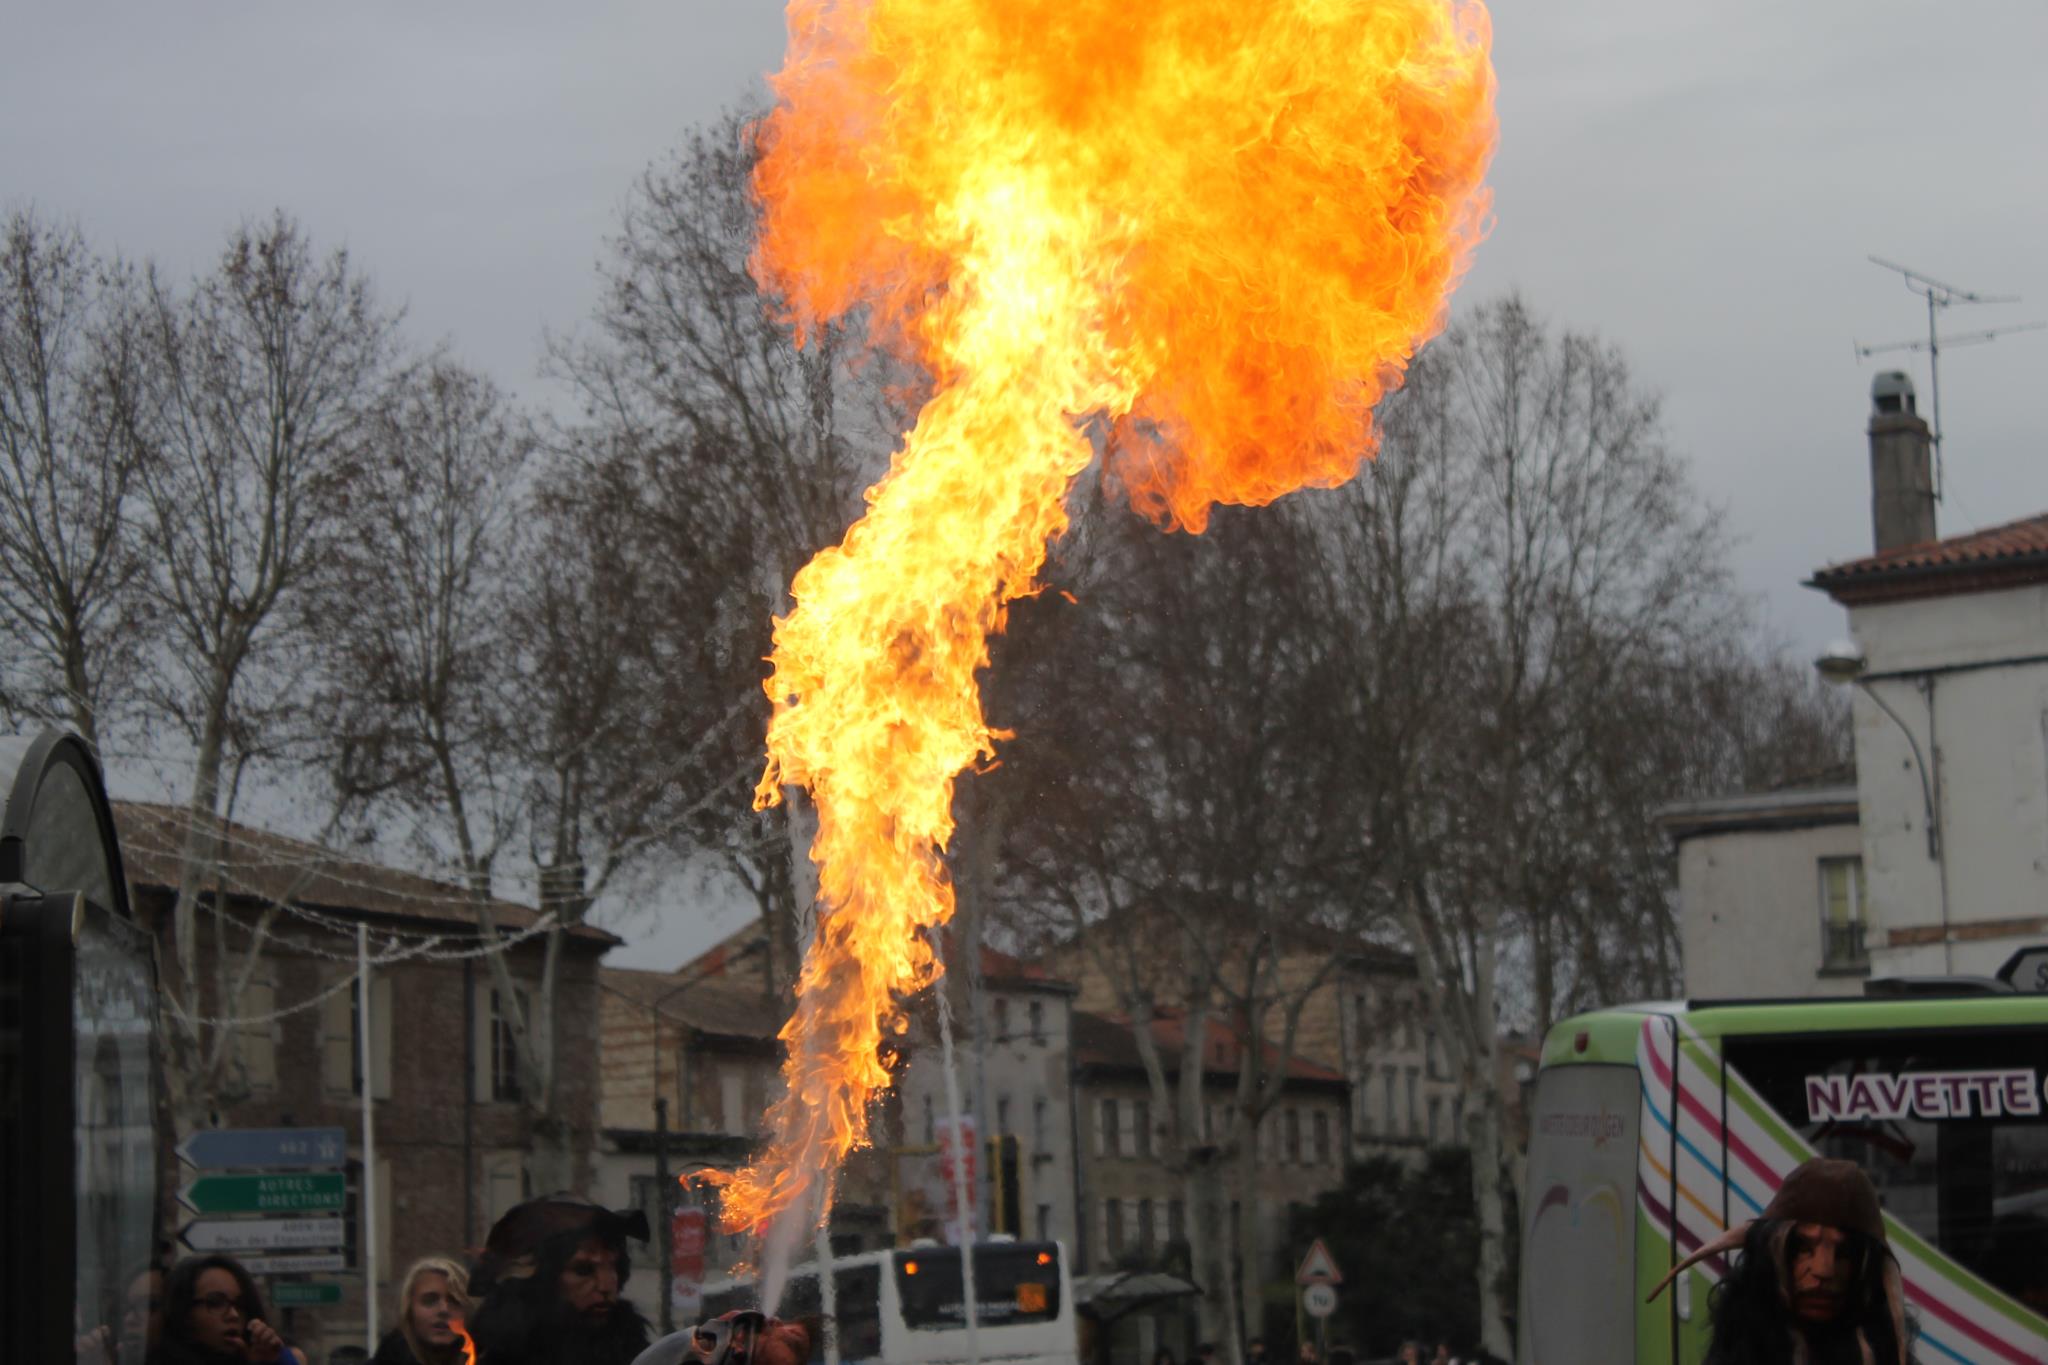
<point x="546" y="1289"/>
<point x="1816" y="1283"/>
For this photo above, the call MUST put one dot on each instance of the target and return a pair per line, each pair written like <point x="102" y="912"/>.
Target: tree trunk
<point x="1251" y="1249"/>
<point x="1209" y="1256"/>
<point x="1488" y="1187"/>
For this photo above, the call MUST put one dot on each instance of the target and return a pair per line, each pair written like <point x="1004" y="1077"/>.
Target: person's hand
<point x="264" y="1344"/>
<point x="95" y="1347"/>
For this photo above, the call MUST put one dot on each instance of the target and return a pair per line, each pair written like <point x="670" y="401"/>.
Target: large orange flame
<point x="1224" y="227"/>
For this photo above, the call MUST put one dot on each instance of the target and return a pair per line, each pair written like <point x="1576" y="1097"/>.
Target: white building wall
<point x="1750" y="920"/>
<point x="1981" y="722"/>
<point x="1028" y="1070"/>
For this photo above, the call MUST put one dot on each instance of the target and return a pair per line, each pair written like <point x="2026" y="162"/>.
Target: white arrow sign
<point x="264" y="1234"/>
<point x="295" y="1265"/>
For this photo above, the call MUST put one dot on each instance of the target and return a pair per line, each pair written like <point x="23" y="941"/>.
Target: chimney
<point x="1901" y="465"/>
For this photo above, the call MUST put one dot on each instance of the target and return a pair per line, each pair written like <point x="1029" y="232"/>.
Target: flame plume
<point x="1221" y="227"/>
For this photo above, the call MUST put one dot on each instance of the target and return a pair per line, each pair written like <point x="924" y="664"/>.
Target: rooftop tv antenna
<point x="1940" y="296"/>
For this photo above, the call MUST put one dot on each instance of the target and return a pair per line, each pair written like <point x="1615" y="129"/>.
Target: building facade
<point x="453" y="1131"/>
<point x="1773" y="894"/>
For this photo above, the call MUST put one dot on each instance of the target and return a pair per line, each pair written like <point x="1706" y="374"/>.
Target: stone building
<point x="705" y="1043"/>
<point x="1134" y="1206"/>
<point x="453" y="1135"/>
<point x="1367" y="1020"/>
<point x="1014" y="1062"/>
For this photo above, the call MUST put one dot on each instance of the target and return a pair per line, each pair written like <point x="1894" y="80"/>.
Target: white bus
<point x="906" y="1306"/>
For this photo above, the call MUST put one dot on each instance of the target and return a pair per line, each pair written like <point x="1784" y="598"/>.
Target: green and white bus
<point x="1653" y="1127"/>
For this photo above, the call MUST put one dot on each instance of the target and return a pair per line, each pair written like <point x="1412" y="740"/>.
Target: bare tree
<point x="1538" y="595"/>
<point x="751" y="450"/>
<point x="1179" y="819"/>
<point x="260" y="381"/>
<point x="69" y="466"/>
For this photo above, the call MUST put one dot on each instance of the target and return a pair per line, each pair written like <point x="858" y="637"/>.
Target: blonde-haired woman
<point x="430" y="1310"/>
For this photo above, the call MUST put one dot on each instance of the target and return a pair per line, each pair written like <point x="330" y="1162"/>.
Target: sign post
<point x="1317" y="1279"/>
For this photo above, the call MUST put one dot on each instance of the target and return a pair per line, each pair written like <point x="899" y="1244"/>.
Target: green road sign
<point x="304" y="1293"/>
<point x="310" y="1192"/>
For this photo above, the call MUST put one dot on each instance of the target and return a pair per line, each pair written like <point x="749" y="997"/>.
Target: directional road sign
<point x="1318" y="1300"/>
<point x="304" y="1295"/>
<point x="1319" y="1266"/>
<point x="227" y="1149"/>
<point x="264" y="1234"/>
<point x="314" y="1192"/>
<point x="303" y="1263"/>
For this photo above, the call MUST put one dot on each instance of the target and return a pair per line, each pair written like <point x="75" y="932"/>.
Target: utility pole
<point x="369" y="1181"/>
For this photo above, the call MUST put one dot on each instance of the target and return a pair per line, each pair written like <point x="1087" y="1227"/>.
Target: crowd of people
<point x="545" y="1291"/>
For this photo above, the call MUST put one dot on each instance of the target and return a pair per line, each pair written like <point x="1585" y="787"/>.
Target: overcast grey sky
<point x="1697" y="183"/>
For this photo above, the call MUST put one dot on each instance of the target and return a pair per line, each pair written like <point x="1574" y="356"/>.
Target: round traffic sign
<point x="1319" y="1300"/>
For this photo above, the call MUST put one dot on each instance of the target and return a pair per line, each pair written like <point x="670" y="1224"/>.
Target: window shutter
<point x="1127" y="1130"/>
<point x="381" y="1006"/>
<point x="256" y="1042"/>
<point x="337" y="1048"/>
<point x="480" y="1035"/>
<point x="1101" y="1130"/>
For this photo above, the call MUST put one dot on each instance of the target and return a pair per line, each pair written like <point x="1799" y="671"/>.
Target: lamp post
<point x="1843" y="663"/>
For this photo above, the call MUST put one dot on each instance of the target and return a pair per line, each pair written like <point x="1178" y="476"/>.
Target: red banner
<point x="687" y="1230"/>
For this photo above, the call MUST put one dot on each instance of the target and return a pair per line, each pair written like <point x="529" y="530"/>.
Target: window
<point x="1844" y="907"/>
<point x="1414" y="1110"/>
<point x="504" y="1182"/>
<point x="1393" y="1124"/>
<point x="1436" y="1105"/>
<point x="1141" y="1127"/>
<point x="1038" y="1115"/>
<point x="504" y="1048"/>
<point x="1458" y="1119"/>
<point x="1145" y="1227"/>
<point x="1002" y="1008"/>
<point x="1108" y="1132"/>
<point x="1429" y="1052"/>
<point x="1963" y="1137"/>
<point x="1036" y="1010"/>
<point x="1176" y="1220"/>
<point x="1321" y="1147"/>
<point x="732" y="1102"/>
<point x="1361" y="1024"/>
<point x="256" y="1040"/>
<point x="341" y="1069"/>
<point x="1003" y="1115"/>
<point x="1112" y="1227"/>
<point x="1290" y="1131"/>
<point x="1045" y="1222"/>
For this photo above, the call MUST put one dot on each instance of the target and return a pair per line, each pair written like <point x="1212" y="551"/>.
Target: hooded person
<point x="1816" y="1283"/>
<point x="546" y="1290"/>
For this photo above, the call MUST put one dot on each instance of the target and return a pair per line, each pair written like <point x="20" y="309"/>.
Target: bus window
<point x="1952" y="1127"/>
<point x="1014" y="1283"/>
<point x="859" y="1304"/>
<point x="1578" y="1296"/>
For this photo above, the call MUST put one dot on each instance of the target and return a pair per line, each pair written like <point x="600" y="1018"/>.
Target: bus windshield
<point x="1952" y="1126"/>
<point x="1014" y="1283"/>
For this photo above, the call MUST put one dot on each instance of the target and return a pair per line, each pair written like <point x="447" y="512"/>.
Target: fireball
<point x="1216" y="231"/>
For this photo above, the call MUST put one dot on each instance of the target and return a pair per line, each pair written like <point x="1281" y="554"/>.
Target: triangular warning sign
<point x="1318" y="1267"/>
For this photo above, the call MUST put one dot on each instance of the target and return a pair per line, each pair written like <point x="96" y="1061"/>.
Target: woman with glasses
<point x="213" y="1315"/>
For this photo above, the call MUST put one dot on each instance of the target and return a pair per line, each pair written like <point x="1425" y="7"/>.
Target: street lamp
<point x="1843" y="662"/>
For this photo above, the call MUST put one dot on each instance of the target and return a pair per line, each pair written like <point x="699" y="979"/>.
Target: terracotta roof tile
<point x="263" y="864"/>
<point x="708" y="1003"/>
<point x="1109" y="1042"/>
<point x="1991" y="557"/>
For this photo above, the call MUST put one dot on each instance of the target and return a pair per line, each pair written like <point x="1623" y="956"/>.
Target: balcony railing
<point x="1842" y="946"/>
